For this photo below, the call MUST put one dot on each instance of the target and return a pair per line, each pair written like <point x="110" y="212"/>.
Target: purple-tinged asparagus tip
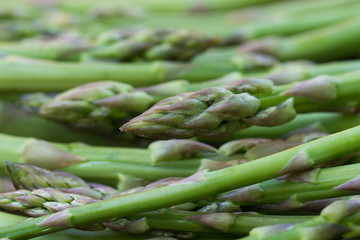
<point x="219" y="221"/>
<point x="298" y="163"/>
<point x="59" y="219"/>
<point x="252" y="193"/>
<point x="46" y="155"/>
<point x="318" y="89"/>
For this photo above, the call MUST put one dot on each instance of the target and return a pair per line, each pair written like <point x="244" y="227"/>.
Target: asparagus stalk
<point x="298" y="71"/>
<point x="20" y="75"/>
<point x="285" y="8"/>
<point x="185" y="6"/>
<point x="293" y="191"/>
<point x="71" y="234"/>
<point x="42" y="201"/>
<point x="237" y="222"/>
<point x="195" y="187"/>
<point x="217" y="112"/>
<point x="14" y="121"/>
<point x="288" y="24"/>
<point x="94" y="162"/>
<point x="328" y="122"/>
<point x="337" y="220"/>
<point x="311" y="44"/>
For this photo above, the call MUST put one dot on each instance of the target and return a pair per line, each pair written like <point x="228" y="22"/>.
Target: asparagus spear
<point x="328" y="122"/>
<point x="195" y="187"/>
<point x="311" y="44"/>
<point x="103" y="104"/>
<point x="26" y="176"/>
<point x="295" y="190"/>
<point x="71" y="234"/>
<point x="298" y="71"/>
<point x="180" y="44"/>
<point x="42" y="201"/>
<point x="61" y="47"/>
<point x="337" y="220"/>
<point x="20" y="75"/>
<point x="183" y="6"/>
<point x="217" y="112"/>
<point x="14" y="121"/>
<point x="285" y="8"/>
<point x="93" y="162"/>
<point x="280" y="73"/>
<point x="288" y="24"/>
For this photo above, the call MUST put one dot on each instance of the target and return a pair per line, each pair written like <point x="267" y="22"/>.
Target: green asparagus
<point x="312" y="44"/>
<point x="102" y="105"/>
<point x="25" y="176"/>
<point x="217" y="112"/>
<point x="296" y="189"/>
<point x="195" y="187"/>
<point x="337" y="220"/>
<point x="179" y="45"/>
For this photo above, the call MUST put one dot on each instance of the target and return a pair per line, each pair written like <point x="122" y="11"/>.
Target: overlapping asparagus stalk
<point x="72" y="191"/>
<point x="328" y="122"/>
<point x="62" y="47"/>
<point x="16" y="122"/>
<point x="100" y="163"/>
<point x="33" y="75"/>
<point x="71" y="234"/>
<point x="311" y="44"/>
<point x="288" y="23"/>
<point x="299" y="71"/>
<point x="338" y="220"/>
<point x="185" y="6"/>
<point x="195" y="187"/>
<point x="217" y="112"/>
<point x="162" y="159"/>
<point x="296" y="189"/>
<point x="41" y="202"/>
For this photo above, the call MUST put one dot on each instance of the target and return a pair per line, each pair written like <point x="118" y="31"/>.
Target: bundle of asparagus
<point x="270" y="126"/>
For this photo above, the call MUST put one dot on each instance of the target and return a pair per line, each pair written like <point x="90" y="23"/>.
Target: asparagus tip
<point x="59" y="219"/>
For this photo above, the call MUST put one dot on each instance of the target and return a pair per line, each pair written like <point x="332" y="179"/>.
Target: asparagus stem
<point x="42" y="50"/>
<point x="20" y="76"/>
<point x="312" y="44"/>
<point x="292" y="24"/>
<point x="298" y="188"/>
<point x="161" y="5"/>
<point x="96" y="162"/>
<point x="298" y="71"/>
<point x="330" y="122"/>
<point x="16" y="122"/>
<point x="195" y="187"/>
<point x="335" y="221"/>
<point x="286" y="8"/>
<point x="43" y="201"/>
<point x="239" y="223"/>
